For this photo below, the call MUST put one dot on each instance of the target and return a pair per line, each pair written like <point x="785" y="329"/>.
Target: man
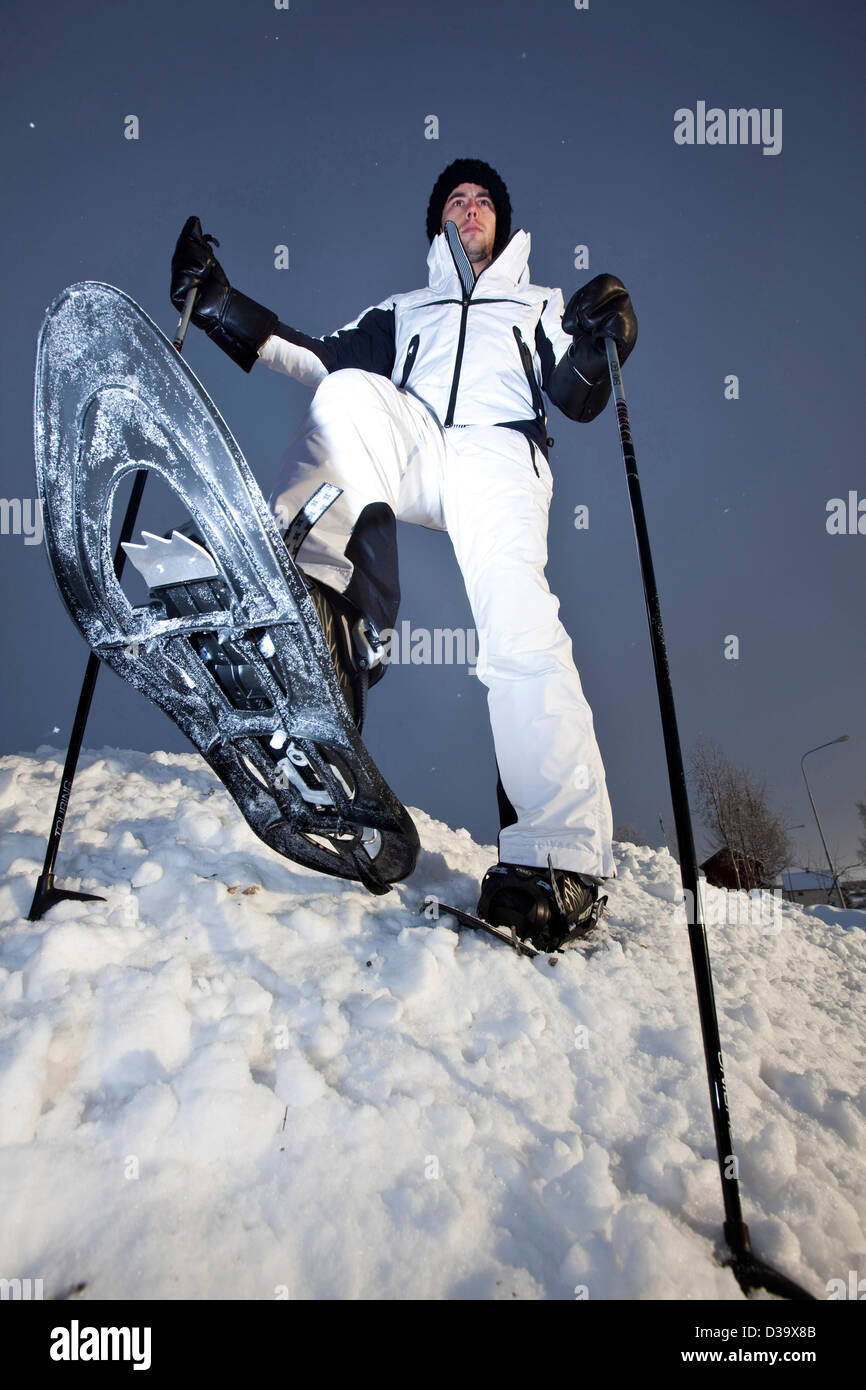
<point x="429" y="409"/>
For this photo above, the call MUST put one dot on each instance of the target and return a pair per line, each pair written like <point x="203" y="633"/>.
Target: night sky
<point x="306" y="127"/>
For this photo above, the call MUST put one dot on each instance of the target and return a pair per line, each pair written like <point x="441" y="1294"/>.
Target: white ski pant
<point x="490" y="489"/>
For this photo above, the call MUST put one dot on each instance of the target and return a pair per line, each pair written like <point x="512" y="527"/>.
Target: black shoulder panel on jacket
<point x="368" y="345"/>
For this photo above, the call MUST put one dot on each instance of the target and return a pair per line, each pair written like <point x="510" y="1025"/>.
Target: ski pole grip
<point x="185" y="317"/>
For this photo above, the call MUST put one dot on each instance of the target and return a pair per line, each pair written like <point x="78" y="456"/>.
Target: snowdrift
<point x="236" y="1078"/>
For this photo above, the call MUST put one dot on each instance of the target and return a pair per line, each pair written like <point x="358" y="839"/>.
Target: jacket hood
<point x="510" y="268"/>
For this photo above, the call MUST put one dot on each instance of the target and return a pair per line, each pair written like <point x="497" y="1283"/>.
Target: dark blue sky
<point x="306" y="127"/>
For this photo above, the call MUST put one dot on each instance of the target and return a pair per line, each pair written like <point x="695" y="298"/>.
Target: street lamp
<point x="843" y="739"/>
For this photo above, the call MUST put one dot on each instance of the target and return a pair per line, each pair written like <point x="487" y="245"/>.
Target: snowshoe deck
<point x="114" y="397"/>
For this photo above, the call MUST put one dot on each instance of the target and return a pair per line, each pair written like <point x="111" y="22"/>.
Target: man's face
<point x="470" y="207"/>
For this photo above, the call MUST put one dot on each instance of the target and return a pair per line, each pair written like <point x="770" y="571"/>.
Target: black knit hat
<point x="471" y="171"/>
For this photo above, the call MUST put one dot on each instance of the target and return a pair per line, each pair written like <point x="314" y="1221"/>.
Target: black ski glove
<point x="235" y="323"/>
<point x="601" y="309"/>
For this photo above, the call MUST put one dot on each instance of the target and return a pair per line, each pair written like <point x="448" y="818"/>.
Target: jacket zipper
<point x="461" y="339"/>
<point x="410" y="359"/>
<point x="464" y="310"/>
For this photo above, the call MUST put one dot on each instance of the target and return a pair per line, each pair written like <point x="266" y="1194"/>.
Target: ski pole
<point x="750" y="1272"/>
<point x="46" y="894"/>
<point x="185" y="318"/>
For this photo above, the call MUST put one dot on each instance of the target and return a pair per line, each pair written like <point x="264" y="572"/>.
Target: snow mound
<point x="236" y="1078"/>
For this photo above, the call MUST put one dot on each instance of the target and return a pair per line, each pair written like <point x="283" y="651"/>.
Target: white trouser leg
<point x="378" y="444"/>
<point x="496" y="509"/>
<point x="381" y="444"/>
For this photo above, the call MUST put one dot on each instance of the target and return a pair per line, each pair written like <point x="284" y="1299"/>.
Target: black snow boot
<point x="356" y="649"/>
<point x="549" y="907"/>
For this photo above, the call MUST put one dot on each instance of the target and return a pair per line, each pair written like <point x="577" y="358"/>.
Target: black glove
<point x="601" y="309"/>
<point x="191" y="268"/>
<point x="235" y="323"/>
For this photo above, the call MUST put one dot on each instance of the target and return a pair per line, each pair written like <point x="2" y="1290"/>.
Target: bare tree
<point x="733" y="807"/>
<point x="712" y="774"/>
<point x="861" y="811"/>
<point x="628" y="834"/>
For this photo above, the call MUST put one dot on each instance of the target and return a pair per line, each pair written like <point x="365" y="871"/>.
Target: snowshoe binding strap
<point x="311" y="512"/>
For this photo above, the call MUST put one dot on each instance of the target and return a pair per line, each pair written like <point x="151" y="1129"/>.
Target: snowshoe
<point x="505" y="934"/>
<point x="230" y="645"/>
<point x="551" y="908"/>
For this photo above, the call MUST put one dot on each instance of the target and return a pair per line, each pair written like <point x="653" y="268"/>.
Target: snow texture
<point x="236" y="1078"/>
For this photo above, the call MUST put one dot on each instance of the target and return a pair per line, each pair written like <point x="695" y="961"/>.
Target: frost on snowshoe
<point x="229" y="646"/>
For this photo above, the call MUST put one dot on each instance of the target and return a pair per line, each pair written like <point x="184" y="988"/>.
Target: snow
<point x="236" y="1078"/>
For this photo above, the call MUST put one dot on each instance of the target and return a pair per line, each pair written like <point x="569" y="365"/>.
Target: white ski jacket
<point x="474" y="351"/>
